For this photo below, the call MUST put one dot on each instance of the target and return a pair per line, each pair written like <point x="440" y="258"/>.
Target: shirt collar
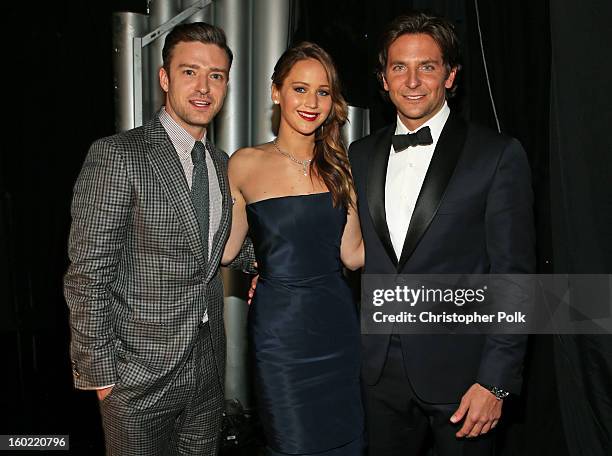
<point x="180" y="138"/>
<point x="435" y="124"/>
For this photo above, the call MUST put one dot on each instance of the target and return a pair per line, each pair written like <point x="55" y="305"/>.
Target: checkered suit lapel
<point x="167" y="167"/>
<point x="220" y="160"/>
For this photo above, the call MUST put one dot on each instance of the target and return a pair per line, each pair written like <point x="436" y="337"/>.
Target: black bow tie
<point x="421" y="137"/>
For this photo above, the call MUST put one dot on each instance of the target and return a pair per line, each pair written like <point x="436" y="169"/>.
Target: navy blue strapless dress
<point x="304" y="328"/>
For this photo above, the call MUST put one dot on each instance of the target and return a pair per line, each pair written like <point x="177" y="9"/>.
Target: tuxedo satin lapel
<point x="377" y="174"/>
<point x="167" y="168"/>
<point x="445" y="156"/>
<point x="220" y="236"/>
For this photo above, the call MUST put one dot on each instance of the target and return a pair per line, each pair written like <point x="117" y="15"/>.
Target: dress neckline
<point x="288" y="196"/>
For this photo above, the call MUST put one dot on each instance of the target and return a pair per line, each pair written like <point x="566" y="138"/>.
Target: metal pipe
<point x="237" y="374"/>
<point x="231" y="132"/>
<point x="232" y="124"/>
<point x="358" y="124"/>
<point x="160" y="12"/>
<point x="126" y="26"/>
<point x="271" y="35"/>
<point x="205" y="15"/>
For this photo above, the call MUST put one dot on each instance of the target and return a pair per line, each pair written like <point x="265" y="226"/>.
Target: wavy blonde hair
<point x="330" y="161"/>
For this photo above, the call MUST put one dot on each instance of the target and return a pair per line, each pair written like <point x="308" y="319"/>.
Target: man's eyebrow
<point x="221" y="69"/>
<point x="195" y="66"/>
<point x="420" y="62"/>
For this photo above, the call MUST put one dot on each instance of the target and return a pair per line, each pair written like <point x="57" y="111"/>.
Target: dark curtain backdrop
<point x="581" y="204"/>
<point x="58" y="99"/>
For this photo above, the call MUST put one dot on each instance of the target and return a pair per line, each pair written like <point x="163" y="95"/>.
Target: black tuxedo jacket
<point x="473" y="215"/>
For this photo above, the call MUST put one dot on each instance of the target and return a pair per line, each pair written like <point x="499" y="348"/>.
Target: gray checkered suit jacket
<point x="138" y="284"/>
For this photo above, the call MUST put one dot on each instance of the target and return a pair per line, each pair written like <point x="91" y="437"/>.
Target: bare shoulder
<point x="248" y="156"/>
<point x="247" y="160"/>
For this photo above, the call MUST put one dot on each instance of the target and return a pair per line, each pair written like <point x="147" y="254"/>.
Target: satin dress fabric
<point x="304" y="328"/>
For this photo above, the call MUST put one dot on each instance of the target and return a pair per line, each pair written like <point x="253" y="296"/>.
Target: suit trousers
<point x="185" y="421"/>
<point x="401" y="424"/>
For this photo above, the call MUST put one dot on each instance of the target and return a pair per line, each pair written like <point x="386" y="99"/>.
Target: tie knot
<point x="198" y="153"/>
<point x="421" y="137"/>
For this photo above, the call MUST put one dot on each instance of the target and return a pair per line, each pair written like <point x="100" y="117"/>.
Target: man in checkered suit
<point x="150" y="220"/>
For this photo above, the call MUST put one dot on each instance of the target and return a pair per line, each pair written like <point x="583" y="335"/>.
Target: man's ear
<point x="383" y="81"/>
<point x="164" y="80"/>
<point x="451" y="78"/>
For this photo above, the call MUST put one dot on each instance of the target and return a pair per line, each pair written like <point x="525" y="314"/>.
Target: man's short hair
<point x="195" y="31"/>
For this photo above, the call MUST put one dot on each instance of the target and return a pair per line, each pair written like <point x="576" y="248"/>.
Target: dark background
<point x="549" y="70"/>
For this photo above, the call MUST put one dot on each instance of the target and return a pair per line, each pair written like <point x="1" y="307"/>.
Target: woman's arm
<point x="236" y="173"/>
<point x="352" y="251"/>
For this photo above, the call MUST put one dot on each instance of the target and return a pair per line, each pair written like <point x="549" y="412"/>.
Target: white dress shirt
<point x="405" y="174"/>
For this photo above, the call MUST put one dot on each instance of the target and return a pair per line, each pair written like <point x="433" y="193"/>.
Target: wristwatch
<point x="497" y="392"/>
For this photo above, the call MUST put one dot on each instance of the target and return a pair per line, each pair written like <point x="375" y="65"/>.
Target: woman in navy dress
<point x="294" y="197"/>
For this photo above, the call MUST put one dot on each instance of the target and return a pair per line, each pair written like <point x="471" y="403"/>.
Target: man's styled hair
<point x="196" y="31"/>
<point x="440" y="29"/>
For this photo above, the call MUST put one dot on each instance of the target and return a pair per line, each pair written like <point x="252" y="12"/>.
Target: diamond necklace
<point x="303" y="163"/>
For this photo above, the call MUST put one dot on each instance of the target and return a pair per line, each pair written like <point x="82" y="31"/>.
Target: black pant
<point x="399" y="423"/>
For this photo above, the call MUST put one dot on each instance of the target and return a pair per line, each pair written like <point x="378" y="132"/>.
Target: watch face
<point x="499" y="393"/>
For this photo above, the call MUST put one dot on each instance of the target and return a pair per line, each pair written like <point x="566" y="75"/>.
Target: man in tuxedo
<point x="438" y="196"/>
<point x="151" y="214"/>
